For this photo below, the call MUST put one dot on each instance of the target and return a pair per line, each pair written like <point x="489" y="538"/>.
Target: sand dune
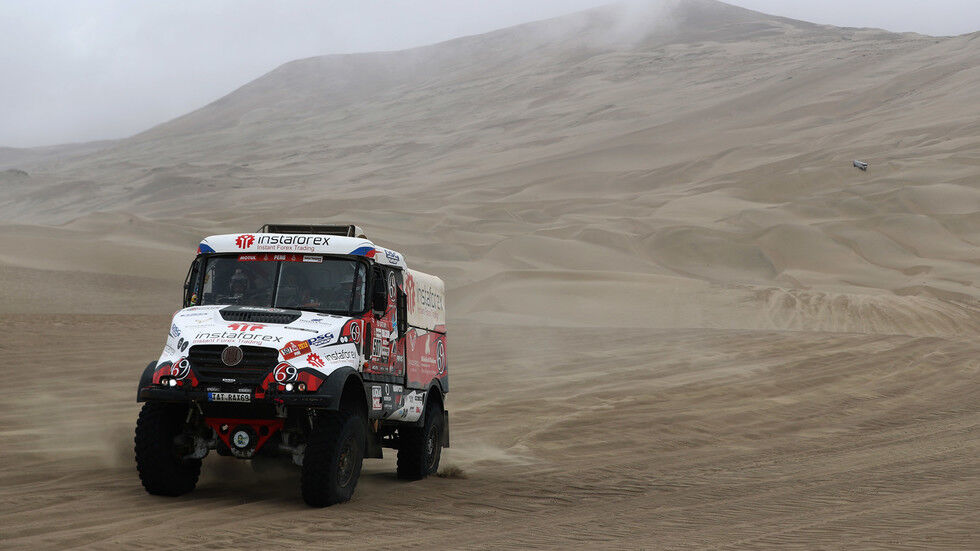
<point x="680" y="318"/>
<point x="744" y="438"/>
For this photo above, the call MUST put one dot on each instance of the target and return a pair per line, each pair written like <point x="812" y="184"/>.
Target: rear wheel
<point x="159" y="459"/>
<point x="419" y="449"/>
<point x="332" y="459"/>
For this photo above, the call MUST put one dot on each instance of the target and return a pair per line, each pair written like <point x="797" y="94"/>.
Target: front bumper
<point x="315" y="400"/>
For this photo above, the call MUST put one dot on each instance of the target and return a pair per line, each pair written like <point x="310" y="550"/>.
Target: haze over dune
<point x="720" y="332"/>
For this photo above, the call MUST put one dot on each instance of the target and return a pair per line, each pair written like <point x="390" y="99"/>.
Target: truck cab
<point x="309" y="344"/>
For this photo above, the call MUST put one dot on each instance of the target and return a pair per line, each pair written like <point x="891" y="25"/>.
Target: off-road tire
<point x="420" y="448"/>
<point x="333" y="458"/>
<point x="159" y="462"/>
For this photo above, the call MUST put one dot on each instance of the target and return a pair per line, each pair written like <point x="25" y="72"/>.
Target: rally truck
<point x="308" y="346"/>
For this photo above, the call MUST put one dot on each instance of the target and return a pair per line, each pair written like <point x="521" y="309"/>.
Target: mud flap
<point x="445" y="429"/>
<point x="372" y="449"/>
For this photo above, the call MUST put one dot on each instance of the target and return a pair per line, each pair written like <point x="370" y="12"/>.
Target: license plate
<point x="229" y="397"/>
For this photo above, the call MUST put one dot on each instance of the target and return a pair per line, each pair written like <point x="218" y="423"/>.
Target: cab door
<point x="384" y="351"/>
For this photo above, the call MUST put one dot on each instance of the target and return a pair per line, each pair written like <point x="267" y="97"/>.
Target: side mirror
<point x="379" y="295"/>
<point x="402" y="304"/>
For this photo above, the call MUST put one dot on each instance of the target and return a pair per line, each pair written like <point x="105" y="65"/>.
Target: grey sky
<point x="79" y="70"/>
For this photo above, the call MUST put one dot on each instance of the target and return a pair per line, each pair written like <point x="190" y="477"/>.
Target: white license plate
<point x="229" y="397"/>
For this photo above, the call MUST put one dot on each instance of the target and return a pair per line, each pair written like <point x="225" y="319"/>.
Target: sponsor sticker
<point x="268" y="257"/>
<point x="428" y="297"/>
<point x="240" y="439"/>
<point x="294" y="349"/>
<point x="294" y="328"/>
<point x="225" y="336"/>
<point x="276" y="239"/>
<point x="316" y="360"/>
<point x="441" y="358"/>
<point x="321" y="340"/>
<point x="244" y="241"/>
<point x="194" y="314"/>
<point x="334" y="356"/>
<point x="282" y="242"/>
<point x="244" y="327"/>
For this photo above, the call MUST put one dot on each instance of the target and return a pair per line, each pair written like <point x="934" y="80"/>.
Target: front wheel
<point x="419" y="449"/>
<point x="159" y="459"/>
<point x="332" y="460"/>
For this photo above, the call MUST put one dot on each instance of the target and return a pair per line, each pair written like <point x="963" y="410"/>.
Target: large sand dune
<point x="679" y="317"/>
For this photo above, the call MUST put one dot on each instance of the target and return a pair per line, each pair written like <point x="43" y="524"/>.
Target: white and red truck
<point x="306" y="345"/>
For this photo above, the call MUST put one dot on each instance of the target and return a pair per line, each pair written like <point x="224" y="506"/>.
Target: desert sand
<point x="679" y="318"/>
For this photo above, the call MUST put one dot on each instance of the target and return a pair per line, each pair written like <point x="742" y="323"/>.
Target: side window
<point x="360" y="282"/>
<point x="379" y="279"/>
<point x="191" y="290"/>
<point x="208" y="288"/>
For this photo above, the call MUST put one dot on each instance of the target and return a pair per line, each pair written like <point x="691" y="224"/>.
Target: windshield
<point x="307" y="282"/>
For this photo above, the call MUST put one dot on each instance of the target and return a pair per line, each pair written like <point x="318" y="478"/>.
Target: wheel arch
<point x="353" y="397"/>
<point x="345" y="388"/>
<point x="146" y="379"/>
<point x="435" y="392"/>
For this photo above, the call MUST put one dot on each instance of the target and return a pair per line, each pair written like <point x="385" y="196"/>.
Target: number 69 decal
<point x="285" y="373"/>
<point x="181" y="369"/>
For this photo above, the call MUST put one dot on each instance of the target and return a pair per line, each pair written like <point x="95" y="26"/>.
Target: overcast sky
<point x="80" y="70"/>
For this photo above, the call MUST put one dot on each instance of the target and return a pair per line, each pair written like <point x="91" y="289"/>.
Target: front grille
<point x="256" y="362"/>
<point x="259" y="317"/>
